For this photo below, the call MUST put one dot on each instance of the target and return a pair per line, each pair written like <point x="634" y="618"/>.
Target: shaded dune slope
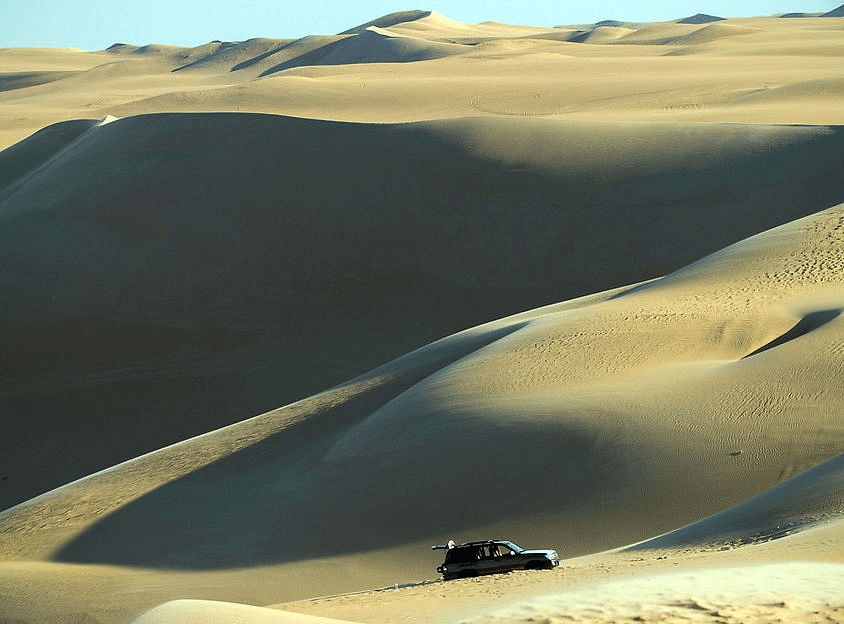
<point x="600" y="451"/>
<point x="387" y="21"/>
<point x="234" y="56"/>
<point x="10" y="81"/>
<point x="26" y="156"/>
<point x="376" y="45"/>
<point x="838" y="12"/>
<point x="371" y="45"/>
<point x="178" y="56"/>
<point x="700" y="18"/>
<point x="305" y="51"/>
<point x="368" y="43"/>
<point x="205" y="271"/>
<point x="812" y="498"/>
<point x="810" y="322"/>
<point x="598" y="34"/>
<point x="280" y="441"/>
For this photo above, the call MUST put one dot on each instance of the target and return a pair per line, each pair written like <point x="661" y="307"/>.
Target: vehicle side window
<point x="461" y="555"/>
<point x="503" y="550"/>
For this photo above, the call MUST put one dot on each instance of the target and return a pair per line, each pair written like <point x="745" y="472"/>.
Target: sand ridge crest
<point x="713" y="32"/>
<point x="235" y="56"/>
<point x="838" y="12"/>
<point x="376" y="45"/>
<point x="209" y="612"/>
<point x="393" y="19"/>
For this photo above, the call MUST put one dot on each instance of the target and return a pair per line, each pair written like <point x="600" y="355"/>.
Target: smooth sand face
<point x="167" y="274"/>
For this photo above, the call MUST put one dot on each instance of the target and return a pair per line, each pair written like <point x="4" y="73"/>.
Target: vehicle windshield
<point x="512" y="546"/>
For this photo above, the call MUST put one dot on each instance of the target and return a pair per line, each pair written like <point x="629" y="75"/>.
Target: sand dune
<point x="809" y="499"/>
<point x="190" y="611"/>
<point x="436" y="26"/>
<point x="811" y="91"/>
<point x="24" y="80"/>
<point x="641" y="226"/>
<point x="606" y="439"/>
<point x="181" y="308"/>
<point x="392" y="19"/>
<point x="237" y="56"/>
<point x="47" y="59"/>
<point x="652" y="78"/>
<point x="23" y="158"/>
<point x="600" y="34"/>
<point x="700" y="18"/>
<point x="660" y="34"/>
<point x="712" y="32"/>
<point x="302" y="52"/>
<point x="839" y="12"/>
<point x="752" y="594"/>
<point x="373" y="45"/>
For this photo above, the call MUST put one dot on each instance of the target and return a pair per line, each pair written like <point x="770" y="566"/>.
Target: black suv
<point x="491" y="557"/>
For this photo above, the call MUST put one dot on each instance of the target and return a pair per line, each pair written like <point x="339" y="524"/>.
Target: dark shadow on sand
<point x="279" y="501"/>
<point x="808" y="323"/>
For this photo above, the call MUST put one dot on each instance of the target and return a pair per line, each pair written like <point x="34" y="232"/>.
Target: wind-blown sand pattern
<point x="579" y="287"/>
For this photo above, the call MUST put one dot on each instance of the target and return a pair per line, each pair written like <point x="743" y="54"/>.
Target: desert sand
<point x="277" y="315"/>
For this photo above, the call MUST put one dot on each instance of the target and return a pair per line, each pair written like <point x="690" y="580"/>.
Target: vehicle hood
<point x="545" y="552"/>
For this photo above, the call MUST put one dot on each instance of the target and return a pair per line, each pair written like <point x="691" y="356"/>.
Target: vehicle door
<point x="507" y="558"/>
<point x="490" y="560"/>
<point x="460" y="560"/>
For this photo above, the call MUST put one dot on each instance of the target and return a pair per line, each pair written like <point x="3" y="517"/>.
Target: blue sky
<point x="96" y="24"/>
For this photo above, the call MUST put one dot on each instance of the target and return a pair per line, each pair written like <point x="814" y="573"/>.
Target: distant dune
<point x="700" y="18"/>
<point x="373" y="45"/>
<point x="839" y="12"/>
<point x="276" y="315"/>
<point x="488" y="68"/>
<point x="711" y="33"/>
<point x="392" y="19"/>
<point x="600" y="34"/>
<point x="234" y="56"/>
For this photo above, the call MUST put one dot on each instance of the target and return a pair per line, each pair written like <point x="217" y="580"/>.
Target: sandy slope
<point x="614" y="447"/>
<point x="678" y="439"/>
<point x="178" y="285"/>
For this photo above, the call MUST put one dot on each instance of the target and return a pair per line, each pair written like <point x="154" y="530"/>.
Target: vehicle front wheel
<point x="540" y="565"/>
